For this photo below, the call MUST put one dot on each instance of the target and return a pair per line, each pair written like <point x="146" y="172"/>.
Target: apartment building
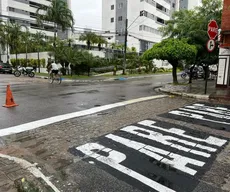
<point x="189" y="4"/>
<point x="145" y="17"/>
<point x="24" y="12"/>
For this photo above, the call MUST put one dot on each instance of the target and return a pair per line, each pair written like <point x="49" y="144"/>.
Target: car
<point x="6" y="68"/>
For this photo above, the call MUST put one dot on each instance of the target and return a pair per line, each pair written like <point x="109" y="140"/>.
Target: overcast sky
<point x="87" y="13"/>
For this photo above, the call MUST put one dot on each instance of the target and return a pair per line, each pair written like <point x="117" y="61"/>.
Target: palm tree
<point x="39" y="40"/>
<point x="14" y="37"/>
<point x="26" y="39"/>
<point x="101" y="40"/>
<point x="58" y="13"/>
<point x="3" y="41"/>
<point x="89" y="37"/>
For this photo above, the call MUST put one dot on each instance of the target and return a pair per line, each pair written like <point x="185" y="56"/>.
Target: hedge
<point x="30" y="62"/>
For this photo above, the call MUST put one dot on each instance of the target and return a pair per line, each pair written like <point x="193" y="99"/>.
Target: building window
<point x="112" y="7"/>
<point x="149" y="29"/>
<point x="120" y="5"/>
<point x="11" y="9"/>
<point x="159" y="20"/>
<point x="160" y="7"/>
<point x="144" y="13"/>
<point x="173" y="5"/>
<point x="120" y="18"/>
<point x="112" y="20"/>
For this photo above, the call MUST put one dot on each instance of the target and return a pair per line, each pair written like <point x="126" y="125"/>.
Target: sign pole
<point x="212" y="33"/>
<point x="206" y="76"/>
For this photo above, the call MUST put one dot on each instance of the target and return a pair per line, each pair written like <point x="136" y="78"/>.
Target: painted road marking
<point x="177" y="161"/>
<point x="210" y="140"/>
<point x="114" y="159"/>
<point x="163" y="139"/>
<point x="203" y="114"/>
<point x="147" y="148"/>
<point x="59" y="118"/>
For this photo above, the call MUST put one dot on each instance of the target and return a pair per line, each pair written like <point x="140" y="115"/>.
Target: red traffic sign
<point x="211" y="45"/>
<point x="212" y="29"/>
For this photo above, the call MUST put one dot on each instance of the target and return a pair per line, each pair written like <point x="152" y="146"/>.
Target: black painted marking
<point x="151" y="168"/>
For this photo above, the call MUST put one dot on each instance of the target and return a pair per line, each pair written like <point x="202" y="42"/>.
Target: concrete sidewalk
<point x="195" y="90"/>
<point x="19" y="175"/>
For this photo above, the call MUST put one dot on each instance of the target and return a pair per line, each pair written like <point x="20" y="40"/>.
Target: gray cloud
<point x="87" y="13"/>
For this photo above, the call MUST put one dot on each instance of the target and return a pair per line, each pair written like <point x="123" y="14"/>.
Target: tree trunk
<point x="55" y="37"/>
<point x="7" y="52"/>
<point x="26" y="56"/>
<point x="39" y="69"/>
<point x="191" y="73"/>
<point x="174" y="72"/>
<point x="88" y="45"/>
<point x="16" y="58"/>
<point x="88" y="71"/>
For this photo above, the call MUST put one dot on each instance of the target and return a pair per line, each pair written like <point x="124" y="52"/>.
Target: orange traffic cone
<point x="9" y="98"/>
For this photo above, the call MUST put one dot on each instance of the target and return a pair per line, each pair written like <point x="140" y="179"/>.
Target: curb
<point x="190" y="95"/>
<point x="104" y="80"/>
<point x="80" y="81"/>
<point x="32" y="168"/>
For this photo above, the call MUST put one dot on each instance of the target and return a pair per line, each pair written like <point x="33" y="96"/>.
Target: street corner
<point x="153" y="155"/>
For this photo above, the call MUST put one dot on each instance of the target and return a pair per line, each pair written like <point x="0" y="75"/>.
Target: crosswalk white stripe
<point x="210" y="140"/>
<point x="209" y="109"/>
<point x="218" y="108"/>
<point x="195" y="116"/>
<point x="206" y="113"/>
<point x="160" y="138"/>
<point x="114" y="159"/>
<point x="177" y="161"/>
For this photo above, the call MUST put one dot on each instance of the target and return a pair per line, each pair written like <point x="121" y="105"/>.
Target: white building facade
<point x="145" y="17"/>
<point x="24" y="12"/>
<point x="189" y="4"/>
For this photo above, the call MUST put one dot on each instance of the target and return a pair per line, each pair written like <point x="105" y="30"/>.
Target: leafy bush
<point x="30" y="62"/>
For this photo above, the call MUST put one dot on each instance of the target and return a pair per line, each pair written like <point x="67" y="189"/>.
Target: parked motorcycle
<point x="197" y="73"/>
<point x="26" y="71"/>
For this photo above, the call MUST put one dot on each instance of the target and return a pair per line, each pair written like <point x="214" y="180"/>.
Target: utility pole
<point x="125" y="46"/>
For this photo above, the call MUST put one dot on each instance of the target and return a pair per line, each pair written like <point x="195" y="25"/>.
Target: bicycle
<point x="54" y="77"/>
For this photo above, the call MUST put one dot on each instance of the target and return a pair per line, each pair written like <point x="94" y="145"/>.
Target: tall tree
<point x="39" y="41"/>
<point x="3" y="40"/>
<point x="58" y="13"/>
<point x="193" y="26"/>
<point x="27" y="41"/>
<point x="14" y="37"/>
<point x="172" y="50"/>
<point x="89" y="37"/>
<point x="101" y="41"/>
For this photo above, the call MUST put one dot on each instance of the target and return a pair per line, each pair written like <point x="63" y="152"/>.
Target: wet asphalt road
<point x="38" y="99"/>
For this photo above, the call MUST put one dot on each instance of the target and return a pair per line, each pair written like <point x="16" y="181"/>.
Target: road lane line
<point x="43" y="122"/>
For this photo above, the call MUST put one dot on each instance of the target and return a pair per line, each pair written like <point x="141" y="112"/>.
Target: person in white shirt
<point x="54" y="68"/>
